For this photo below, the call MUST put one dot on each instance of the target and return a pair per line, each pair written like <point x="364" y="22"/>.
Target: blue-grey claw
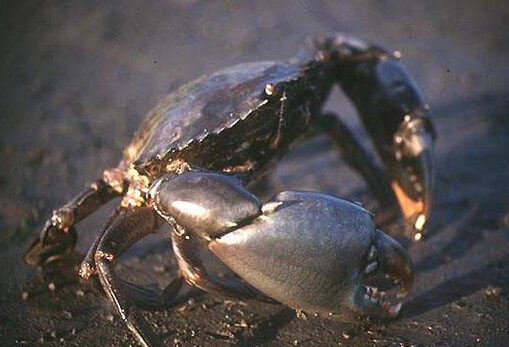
<point x="315" y="253"/>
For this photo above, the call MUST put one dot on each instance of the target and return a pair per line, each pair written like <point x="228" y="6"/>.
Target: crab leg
<point x="87" y="266"/>
<point x="125" y="231"/>
<point x="58" y="236"/>
<point x="143" y="297"/>
<point x="391" y="108"/>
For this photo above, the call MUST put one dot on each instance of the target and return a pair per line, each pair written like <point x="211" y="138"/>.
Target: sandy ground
<point x="76" y="79"/>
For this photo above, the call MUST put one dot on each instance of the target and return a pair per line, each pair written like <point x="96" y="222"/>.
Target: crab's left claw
<point x="404" y="137"/>
<point x="391" y="107"/>
<point x="405" y="141"/>
<point x="411" y="165"/>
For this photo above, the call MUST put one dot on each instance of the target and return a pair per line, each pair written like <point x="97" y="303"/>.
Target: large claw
<point x="316" y="253"/>
<point x="310" y="251"/>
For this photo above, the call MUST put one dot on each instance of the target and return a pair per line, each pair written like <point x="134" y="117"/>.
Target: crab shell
<point x="236" y="111"/>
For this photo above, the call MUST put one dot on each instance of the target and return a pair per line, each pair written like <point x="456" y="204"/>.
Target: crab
<point x="191" y="160"/>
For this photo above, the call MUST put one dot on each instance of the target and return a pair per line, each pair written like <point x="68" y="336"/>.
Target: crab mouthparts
<point x="387" y="259"/>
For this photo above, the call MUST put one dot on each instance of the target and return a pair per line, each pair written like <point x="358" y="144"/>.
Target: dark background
<point x="77" y="77"/>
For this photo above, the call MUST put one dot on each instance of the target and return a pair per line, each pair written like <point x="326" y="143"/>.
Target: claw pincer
<point x="310" y="251"/>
